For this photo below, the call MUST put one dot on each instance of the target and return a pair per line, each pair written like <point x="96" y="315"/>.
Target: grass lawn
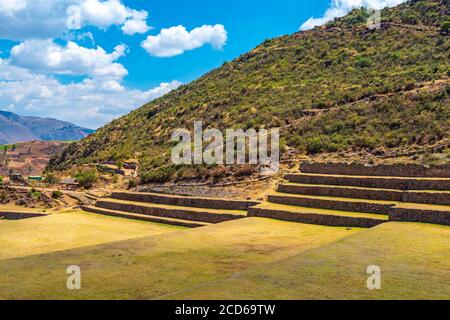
<point x="72" y="229"/>
<point x="156" y="266"/>
<point x="414" y="261"/>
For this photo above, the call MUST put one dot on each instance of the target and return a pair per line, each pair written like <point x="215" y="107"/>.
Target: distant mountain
<point x="15" y="128"/>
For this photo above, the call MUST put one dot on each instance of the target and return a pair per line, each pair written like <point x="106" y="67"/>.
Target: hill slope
<point x="14" y="128"/>
<point x="338" y="88"/>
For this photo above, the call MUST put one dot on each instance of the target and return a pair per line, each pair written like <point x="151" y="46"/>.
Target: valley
<point x="357" y="205"/>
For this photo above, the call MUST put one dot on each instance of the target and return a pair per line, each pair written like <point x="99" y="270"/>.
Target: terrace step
<point x="170" y="211"/>
<point x="416" y="196"/>
<point x="333" y="203"/>
<point x="384" y="170"/>
<point x="408" y="212"/>
<point x="134" y="216"/>
<point x="398" y="183"/>
<point x="185" y="201"/>
<point x="317" y="216"/>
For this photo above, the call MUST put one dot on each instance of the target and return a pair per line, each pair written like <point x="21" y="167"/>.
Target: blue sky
<point x="90" y="61"/>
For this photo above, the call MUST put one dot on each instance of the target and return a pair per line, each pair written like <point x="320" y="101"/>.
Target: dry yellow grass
<point x="155" y="266"/>
<point x="414" y="260"/>
<point x="71" y="229"/>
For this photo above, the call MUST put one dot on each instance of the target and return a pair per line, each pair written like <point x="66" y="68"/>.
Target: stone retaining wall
<point x="370" y="194"/>
<point x="168" y="213"/>
<point x="372" y="182"/>
<point x="210" y="203"/>
<point x="395" y="170"/>
<point x="112" y="213"/>
<point x="440" y="198"/>
<point x="427" y="197"/>
<point x="417" y="215"/>
<point x="319" y="219"/>
<point x="366" y="207"/>
<point x="20" y="215"/>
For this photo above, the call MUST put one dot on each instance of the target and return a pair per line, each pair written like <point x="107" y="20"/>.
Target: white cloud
<point x="32" y="19"/>
<point x="90" y="103"/>
<point x="45" y="56"/>
<point x="43" y="19"/>
<point x="103" y="14"/>
<point x="11" y="6"/>
<point x="340" y="8"/>
<point x="137" y="24"/>
<point x="176" y="40"/>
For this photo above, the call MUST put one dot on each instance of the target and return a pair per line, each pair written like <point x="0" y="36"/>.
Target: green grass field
<point x="72" y="229"/>
<point x="414" y="261"/>
<point x="156" y="266"/>
<point x="251" y="258"/>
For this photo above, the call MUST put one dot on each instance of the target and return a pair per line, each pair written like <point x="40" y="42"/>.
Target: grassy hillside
<point x="301" y="83"/>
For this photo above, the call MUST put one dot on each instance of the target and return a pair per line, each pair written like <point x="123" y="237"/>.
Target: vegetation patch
<point x="339" y="89"/>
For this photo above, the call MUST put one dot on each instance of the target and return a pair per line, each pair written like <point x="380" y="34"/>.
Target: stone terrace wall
<point x="417" y="215"/>
<point x="396" y="170"/>
<point x="404" y="183"/>
<point x="168" y="213"/>
<point x="359" y="206"/>
<point x="210" y="203"/>
<point x="320" y="219"/>
<point x="19" y="215"/>
<point x="436" y="197"/>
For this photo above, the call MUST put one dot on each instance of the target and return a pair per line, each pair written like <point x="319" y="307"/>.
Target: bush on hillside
<point x="51" y="179"/>
<point x="86" y="178"/>
<point x="57" y="194"/>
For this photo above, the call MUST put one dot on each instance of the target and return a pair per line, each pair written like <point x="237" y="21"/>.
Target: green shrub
<point x="363" y="62"/>
<point x="57" y="194"/>
<point x="51" y="179"/>
<point x="132" y="184"/>
<point x="314" y="145"/>
<point x="86" y="178"/>
<point x="162" y="174"/>
<point x="445" y="28"/>
<point x="119" y="164"/>
<point x="35" y="193"/>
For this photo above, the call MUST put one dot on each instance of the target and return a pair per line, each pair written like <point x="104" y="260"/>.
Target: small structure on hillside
<point x="113" y="169"/>
<point x="69" y="184"/>
<point x="130" y="165"/>
<point x="35" y="178"/>
<point x="16" y="177"/>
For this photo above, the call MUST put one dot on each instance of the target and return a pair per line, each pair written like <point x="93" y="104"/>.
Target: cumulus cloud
<point x="137" y="23"/>
<point x="340" y="8"/>
<point x="9" y="7"/>
<point x="103" y="14"/>
<point x="42" y="19"/>
<point x="47" y="57"/>
<point x="90" y="103"/>
<point x="176" y="40"/>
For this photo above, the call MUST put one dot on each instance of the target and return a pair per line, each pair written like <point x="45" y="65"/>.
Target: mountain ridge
<point x="338" y="88"/>
<point x="15" y="128"/>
